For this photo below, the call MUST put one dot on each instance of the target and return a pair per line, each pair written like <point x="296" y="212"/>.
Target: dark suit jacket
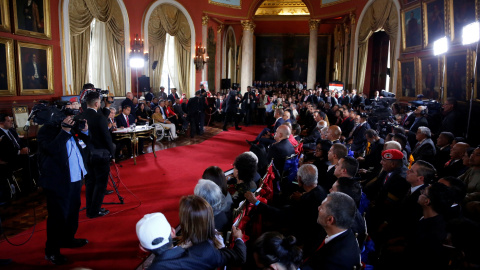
<point x="424" y="151"/>
<point x="121" y="122"/>
<point x="347" y="125"/>
<point x="455" y="168"/>
<point x="98" y="129"/>
<point x="374" y="157"/>
<point x="441" y="157"/>
<point x="172" y="97"/>
<point x="203" y="256"/>
<point x="359" y="140"/>
<point x="279" y="152"/>
<point x="53" y="157"/>
<point x="329" y="179"/>
<point x="8" y="149"/>
<point x="230" y="104"/>
<point x="340" y="253"/>
<point x="413" y="129"/>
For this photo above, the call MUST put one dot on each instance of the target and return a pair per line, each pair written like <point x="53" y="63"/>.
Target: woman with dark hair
<point x="160" y="118"/>
<point x="142" y="115"/>
<point x="321" y="158"/>
<point x="244" y="171"/>
<point x="216" y="174"/>
<point x="274" y="251"/>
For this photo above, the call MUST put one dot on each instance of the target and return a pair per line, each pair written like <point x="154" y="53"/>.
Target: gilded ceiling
<point x="282" y="7"/>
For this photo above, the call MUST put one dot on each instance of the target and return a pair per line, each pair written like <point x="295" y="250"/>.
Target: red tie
<point x="386" y="178"/>
<point x="128" y="122"/>
<point x="319" y="247"/>
<point x="448" y="162"/>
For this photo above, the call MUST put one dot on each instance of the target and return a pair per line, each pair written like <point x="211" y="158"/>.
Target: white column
<point x="218" y="62"/>
<point x="204" y="44"/>
<point x="312" y="54"/>
<point x="247" y="54"/>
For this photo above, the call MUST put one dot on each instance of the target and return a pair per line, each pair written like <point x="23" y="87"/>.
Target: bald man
<point x="281" y="149"/>
<point x="334" y="133"/>
<point x="454" y="167"/>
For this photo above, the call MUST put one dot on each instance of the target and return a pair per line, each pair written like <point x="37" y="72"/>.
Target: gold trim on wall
<point x="426" y="41"/>
<point x="49" y="76"/>
<point x="10" y="68"/>
<point x="225" y="5"/>
<point x="404" y="37"/>
<point x="47" y="34"/>
<point x="438" y="74"/>
<point x="4" y="16"/>
<point x="458" y="39"/>
<point x="468" y="66"/>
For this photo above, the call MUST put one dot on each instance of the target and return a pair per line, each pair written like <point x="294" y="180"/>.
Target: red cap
<point x="73" y="99"/>
<point x="392" y="154"/>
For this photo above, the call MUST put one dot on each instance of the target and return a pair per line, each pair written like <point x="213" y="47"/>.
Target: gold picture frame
<point x="435" y="21"/>
<point x="412" y="28"/>
<point x="32" y="18"/>
<point x="35" y="68"/>
<point x="429" y="77"/>
<point x="462" y="13"/>
<point x="407" y="78"/>
<point x="7" y="68"/>
<point x="457" y="74"/>
<point x="4" y="16"/>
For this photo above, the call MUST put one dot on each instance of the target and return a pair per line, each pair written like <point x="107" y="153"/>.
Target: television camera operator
<point x="62" y="167"/>
<point x="100" y="150"/>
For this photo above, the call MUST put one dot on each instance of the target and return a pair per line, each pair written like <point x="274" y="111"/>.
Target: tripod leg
<point x="115" y="187"/>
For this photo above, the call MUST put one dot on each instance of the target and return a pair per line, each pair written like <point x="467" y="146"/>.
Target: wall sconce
<point x="137" y="55"/>
<point x="201" y="57"/>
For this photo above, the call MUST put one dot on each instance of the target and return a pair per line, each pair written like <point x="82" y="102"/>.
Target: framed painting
<point x="463" y="14"/>
<point x="456" y="75"/>
<point x="32" y="18"/>
<point x="4" y="16"/>
<point x="429" y="77"/>
<point x="406" y="78"/>
<point x="35" y="66"/>
<point x="412" y="28"/>
<point x="433" y="21"/>
<point x="7" y="68"/>
<point x="227" y="3"/>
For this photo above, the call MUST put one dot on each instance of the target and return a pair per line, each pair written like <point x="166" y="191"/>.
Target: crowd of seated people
<point x="405" y="198"/>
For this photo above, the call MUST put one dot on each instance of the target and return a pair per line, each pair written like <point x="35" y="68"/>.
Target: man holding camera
<point x="101" y="151"/>
<point x="62" y="169"/>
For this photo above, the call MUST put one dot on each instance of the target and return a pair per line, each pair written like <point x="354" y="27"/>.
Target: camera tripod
<point x="114" y="183"/>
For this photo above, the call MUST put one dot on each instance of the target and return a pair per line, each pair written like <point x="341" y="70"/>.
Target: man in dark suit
<point x="62" y="169"/>
<point x="100" y="139"/>
<point x="340" y="249"/>
<point x="230" y="106"/>
<point x="451" y="120"/>
<point x="11" y="147"/>
<point x="281" y="149"/>
<point x="34" y="72"/>
<point x="442" y="150"/>
<point x="125" y="120"/>
<point x="173" y="95"/>
<point x="454" y="166"/>
<point x="193" y="114"/>
<point x="149" y="96"/>
<point x="424" y="149"/>
<point x="248" y="102"/>
<point x="370" y="164"/>
<point x="357" y="137"/>
<point x="419" y="121"/>
<point x="270" y="131"/>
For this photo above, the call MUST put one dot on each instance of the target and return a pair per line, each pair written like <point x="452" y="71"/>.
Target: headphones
<point x="424" y="112"/>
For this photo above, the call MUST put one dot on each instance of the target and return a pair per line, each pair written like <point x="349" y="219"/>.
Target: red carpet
<point x="153" y="185"/>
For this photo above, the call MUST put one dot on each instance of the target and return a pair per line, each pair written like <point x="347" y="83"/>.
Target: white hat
<point x="142" y="98"/>
<point x="153" y="231"/>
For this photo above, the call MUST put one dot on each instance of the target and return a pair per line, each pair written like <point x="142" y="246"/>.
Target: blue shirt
<point x="75" y="160"/>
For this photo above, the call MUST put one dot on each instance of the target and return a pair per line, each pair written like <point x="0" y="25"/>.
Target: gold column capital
<point x="248" y="25"/>
<point x="352" y="18"/>
<point x="313" y="24"/>
<point x="205" y="19"/>
<point x="220" y="28"/>
<point x="347" y="30"/>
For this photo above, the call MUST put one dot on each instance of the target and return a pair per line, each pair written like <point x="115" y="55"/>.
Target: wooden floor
<point x="25" y="210"/>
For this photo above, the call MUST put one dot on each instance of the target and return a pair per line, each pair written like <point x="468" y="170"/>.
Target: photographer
<point x="62" y="169"/>
<point x="100" y="151"/>
<point x="108" y="103"/>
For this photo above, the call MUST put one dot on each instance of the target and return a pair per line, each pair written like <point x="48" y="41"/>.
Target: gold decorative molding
<point x="282" y="7"/>
<point x="313" y="24"/>
<point x="347" y="30"/>
<point x="220" y="28"/>
<point x="205" y="19"/>
<point x="218" y="3"/>
<point x="248" y="25"/>
<point x="352" y="18"/>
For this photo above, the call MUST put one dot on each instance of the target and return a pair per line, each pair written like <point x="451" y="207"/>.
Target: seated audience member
<point x="424" y="149"/>
<point x="459" y="190"/>
<point x="267" y="133"/>
<point x="347" y="123"/>
<point x="321" y="158"/>
<point x="217" y="175"/>
<point x="203" y="251"/>
<point x="419" y="120"/>
<point x="154" y="103"/>
<point x="353" y="189"/>
<point x="291" y="139"/>
<point x="124" y="120"/>
<point x="442" y="151"/>
<point x="212" y="193"/>
<point x="336" y="152"/>
<point x="274" y="251"/>
<point x="244" y="171"/>
<point x="370" y="164"/>
<point x="340" y="249"/>
<point x="356" y="137"/>
<point x="402" y="140"/>
<point x="310" y="141"/>
<point x="112" y="124"/>
<point x="281" y="149"/>
<point x="334" y="133"/>
<point x="182" y="116"/>
<point x="454" y="166"/>
<point x="471" y="178"/>
<point x="424" y="247"/>
<point x="142" y="114"/>
<point x="301" y="217"/>
<point x="160" y="118"/>
<point x="457" y="140"/>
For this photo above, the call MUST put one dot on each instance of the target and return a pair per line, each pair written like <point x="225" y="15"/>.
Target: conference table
<point x="133" y="134"/>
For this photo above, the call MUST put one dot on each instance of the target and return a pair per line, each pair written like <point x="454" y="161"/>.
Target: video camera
<point x="43" y="113"/>
<point x="102" y="93"/>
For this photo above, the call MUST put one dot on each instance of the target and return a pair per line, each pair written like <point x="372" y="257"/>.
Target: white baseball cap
<point x="153" y="231"/>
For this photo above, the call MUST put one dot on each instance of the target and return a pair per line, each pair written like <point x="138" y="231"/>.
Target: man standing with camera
<point x="62" y="169"/>
<point x="100" y="151"/>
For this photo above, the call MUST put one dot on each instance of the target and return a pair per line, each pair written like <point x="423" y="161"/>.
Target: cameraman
<point x="108" y="102"/>
<point x="100" y="151"/>
<point x="62" y="169"/>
